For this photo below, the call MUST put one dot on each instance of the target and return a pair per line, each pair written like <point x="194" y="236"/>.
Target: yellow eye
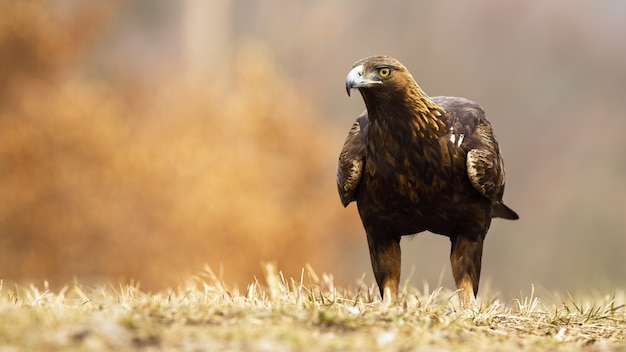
<point x="384" y="71"/>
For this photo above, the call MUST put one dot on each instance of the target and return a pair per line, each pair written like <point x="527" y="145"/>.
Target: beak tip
<point x="354" y="79"/>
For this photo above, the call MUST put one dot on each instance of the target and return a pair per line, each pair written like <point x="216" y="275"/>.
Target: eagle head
<point x="377" y="72"/>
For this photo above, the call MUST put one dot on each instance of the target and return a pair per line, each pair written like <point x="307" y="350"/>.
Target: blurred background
<point x="143" y="139"/>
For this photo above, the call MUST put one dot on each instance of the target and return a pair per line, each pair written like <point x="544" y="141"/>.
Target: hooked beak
<point x="355" y="79"/>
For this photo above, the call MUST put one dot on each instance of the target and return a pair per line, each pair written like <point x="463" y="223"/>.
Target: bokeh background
<point x="140" y="140"/>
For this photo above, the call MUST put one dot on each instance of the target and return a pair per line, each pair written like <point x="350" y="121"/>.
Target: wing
<point x="471" y="132"/>
<point x="485" y="169"/>
<point x="484" y="165"/>
<point x="351" y="161"/>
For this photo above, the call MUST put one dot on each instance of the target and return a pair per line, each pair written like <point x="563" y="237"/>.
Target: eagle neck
<point x="412" y="111"/>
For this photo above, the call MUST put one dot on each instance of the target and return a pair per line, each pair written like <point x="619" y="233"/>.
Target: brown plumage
<point x="414" y="163"/>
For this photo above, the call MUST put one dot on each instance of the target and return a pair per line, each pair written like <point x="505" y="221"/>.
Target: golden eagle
<point x="414" y="163"/>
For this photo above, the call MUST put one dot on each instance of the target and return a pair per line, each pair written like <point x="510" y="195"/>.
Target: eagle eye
<point x="384" y="72"/>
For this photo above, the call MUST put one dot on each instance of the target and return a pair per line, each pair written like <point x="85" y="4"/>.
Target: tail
<point x="499" y="210"/>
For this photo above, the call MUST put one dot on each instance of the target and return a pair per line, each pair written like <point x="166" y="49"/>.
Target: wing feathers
<point x="481" y="171"/>
<point x="484" y="164"/>
<point x="351" y="160"/>
<point x="470" y="130"/>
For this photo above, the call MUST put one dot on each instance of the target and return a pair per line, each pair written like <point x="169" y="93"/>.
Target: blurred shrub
<point x="117" y="181"/>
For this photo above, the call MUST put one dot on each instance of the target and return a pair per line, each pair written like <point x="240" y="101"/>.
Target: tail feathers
<point x="499" y="210"/>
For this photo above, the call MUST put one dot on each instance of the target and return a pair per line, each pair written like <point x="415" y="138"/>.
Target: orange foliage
<point x="110" y="181"/>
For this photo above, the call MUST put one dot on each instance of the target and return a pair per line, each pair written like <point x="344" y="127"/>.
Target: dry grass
<point x="302" y="313"/>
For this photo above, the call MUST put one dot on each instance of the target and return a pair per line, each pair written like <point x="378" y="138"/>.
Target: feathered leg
<point x="385" y="255"/>
<point x="465" y="258"/>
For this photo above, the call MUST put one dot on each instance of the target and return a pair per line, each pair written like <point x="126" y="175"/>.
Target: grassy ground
<point x="307" y="313"/>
